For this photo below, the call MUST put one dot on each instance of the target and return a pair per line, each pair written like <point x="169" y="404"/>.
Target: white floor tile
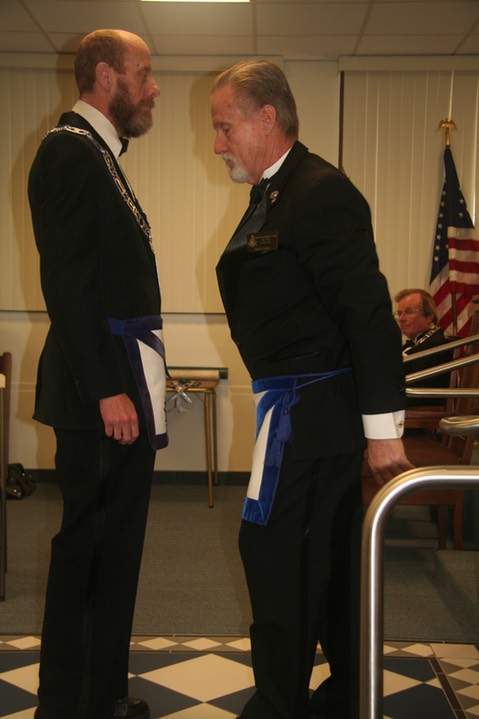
<point x="318" y="675"/>
<point x="393" y="683"/>
<point x="201" y="711"/>
<point x="458" y="662"/>
<point x="243" y="645"/>
<point x="157" y="643"/>
<point x="25" y="642"/>
<point x="418" y="650"/>
<point x="205" y="678"/>
<point x="24" y="677"/>
<point x="202" y="644"/>
<point x="455" y="650"/>
<point x="466" y="675"/>
<point x="471" y="691"/>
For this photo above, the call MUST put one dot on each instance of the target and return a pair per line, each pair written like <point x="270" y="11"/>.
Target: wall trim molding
<point x="172" y="63"/>
<point x="405" y="63"/>
<point x="162" y="477"/>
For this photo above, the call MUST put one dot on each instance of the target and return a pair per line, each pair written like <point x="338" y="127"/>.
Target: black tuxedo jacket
<point x="95" y="263"/>
<point x="316" y="303"/>
<point x="435" y="340"/>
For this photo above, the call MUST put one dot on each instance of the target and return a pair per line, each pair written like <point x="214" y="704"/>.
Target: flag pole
<point x="455" y="258"/>
<point x="447" y="126"/>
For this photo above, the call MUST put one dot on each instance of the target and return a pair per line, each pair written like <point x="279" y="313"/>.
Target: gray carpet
<point x="429" y="594"/>
<point x="192" y="580"/>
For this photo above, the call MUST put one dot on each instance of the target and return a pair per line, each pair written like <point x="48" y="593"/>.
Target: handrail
<point x="459" y="425"/>
<point x="371" y="627"/>
<point x="441" y="368"/>
<point x="438" y="349"/>
<point x="467" y="392"/>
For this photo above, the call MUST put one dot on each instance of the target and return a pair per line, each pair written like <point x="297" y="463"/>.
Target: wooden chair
<point x="6" y="370"/>
<point x="433" y="448"/>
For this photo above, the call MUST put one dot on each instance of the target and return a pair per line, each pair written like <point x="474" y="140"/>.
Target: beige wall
<point x="395" y="159"/>
<point x="393" y="151"/>
<point x="192" y="207"/>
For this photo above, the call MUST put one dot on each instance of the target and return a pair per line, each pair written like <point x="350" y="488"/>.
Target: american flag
<point x="455" y="263"/>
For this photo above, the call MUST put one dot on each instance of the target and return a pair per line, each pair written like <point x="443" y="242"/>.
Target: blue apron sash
<point x="143" y="339"/>
<point x="274" y="398"/>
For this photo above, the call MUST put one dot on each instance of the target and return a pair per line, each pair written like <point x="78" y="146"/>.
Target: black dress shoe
<point x="130" y="708"/>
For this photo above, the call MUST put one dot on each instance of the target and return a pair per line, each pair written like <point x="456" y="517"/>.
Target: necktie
<point x="257" y="192"/>
<point x="254" y="217"/>
<point x="124" y="145"/>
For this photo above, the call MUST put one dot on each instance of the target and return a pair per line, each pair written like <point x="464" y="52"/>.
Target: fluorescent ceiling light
<point x="209" y="1"/>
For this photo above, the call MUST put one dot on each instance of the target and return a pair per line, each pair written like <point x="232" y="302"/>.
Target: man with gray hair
<point x="416" y="314"/>
<point x="312" y="319"/>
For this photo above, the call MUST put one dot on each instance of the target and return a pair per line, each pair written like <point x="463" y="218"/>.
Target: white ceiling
<point x="314" y="29"/>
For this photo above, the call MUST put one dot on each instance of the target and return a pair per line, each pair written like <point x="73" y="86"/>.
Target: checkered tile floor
<point x="211" y="677"/>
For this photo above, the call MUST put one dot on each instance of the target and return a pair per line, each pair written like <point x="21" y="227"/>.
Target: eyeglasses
<point x="407" y="312"/>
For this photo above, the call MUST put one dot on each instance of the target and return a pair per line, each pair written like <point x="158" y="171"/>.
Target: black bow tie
<point x="257" y="192"/>
<point x="407" y="345"/>
<point x="124" y="145"/>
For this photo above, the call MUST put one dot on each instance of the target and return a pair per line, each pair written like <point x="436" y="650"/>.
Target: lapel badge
<point x="274" y="196"/>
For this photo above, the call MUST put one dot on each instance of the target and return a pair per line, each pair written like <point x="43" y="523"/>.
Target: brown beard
<point x="128" y="118"/>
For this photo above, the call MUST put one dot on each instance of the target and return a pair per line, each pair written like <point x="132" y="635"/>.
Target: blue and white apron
<point x="274" y="398"/>
<point x="143" y="338"/>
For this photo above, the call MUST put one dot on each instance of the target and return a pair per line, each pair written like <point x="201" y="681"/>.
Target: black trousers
<point x="93" y="576"/>
<point x="302" y="571"/>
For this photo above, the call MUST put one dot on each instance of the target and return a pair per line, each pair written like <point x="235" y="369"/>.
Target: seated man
<point x="417" y="317"/>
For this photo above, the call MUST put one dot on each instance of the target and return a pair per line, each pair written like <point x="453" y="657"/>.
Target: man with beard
<point x="99" y="388"/>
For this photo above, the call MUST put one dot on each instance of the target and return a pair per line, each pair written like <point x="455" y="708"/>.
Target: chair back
<point x="6" y="369"/>
<point x="468" y="378"/>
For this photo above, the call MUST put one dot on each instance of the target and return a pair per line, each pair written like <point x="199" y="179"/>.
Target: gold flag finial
<point x="447" y="126"/>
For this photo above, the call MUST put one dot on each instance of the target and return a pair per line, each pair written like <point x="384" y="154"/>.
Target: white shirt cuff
<point x="384" y="426"/>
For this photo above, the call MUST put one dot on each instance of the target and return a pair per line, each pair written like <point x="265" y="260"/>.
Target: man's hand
<point x="120" y="418"/>
<point x="387" y="459"/>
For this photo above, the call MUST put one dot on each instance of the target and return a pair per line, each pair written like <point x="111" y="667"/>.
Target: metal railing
<point x="372" y="581"/>
<point x="3" y="487"/>
<point x="440" y="369"/>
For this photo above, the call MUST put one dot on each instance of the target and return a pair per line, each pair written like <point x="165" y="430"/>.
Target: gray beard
<point x="238" y="174"/>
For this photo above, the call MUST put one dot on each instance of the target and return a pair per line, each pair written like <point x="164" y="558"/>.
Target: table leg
<point x="208" y="449"/>
<point x="3" y="497"/>
<point x="215" y="438"/>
